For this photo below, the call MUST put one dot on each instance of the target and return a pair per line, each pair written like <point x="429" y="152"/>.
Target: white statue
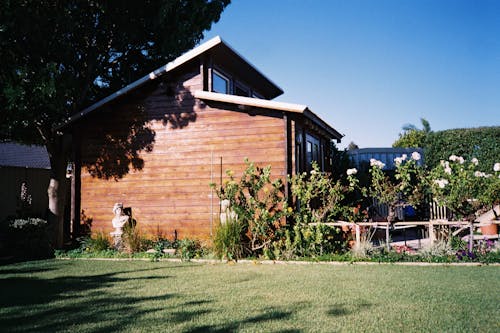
<point x="119" y="220"/>
<point x="226" y="212"/>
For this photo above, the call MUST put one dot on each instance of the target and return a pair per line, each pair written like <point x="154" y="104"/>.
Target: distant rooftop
<point x="18" y="155"/>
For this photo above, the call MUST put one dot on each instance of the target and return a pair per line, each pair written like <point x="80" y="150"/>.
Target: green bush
<point x="259" y="203"/>
<point x="308" y="241"/>
<point x="29" y="238"/>
<point x="189" y="248"/>
<point x="227" y="240"/>
<point x="133" y="241"/>
<point x="482" y="143"/>
<point x="96" y="243"/>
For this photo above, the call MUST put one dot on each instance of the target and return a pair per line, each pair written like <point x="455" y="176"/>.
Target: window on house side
<point x="241" y="90"/>
<point x="220" y="83"/>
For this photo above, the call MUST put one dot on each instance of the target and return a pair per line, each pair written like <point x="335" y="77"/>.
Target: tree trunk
<point x="57" y="190"/>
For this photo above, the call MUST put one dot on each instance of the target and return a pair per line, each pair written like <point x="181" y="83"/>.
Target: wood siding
<point x="158" y="153"/>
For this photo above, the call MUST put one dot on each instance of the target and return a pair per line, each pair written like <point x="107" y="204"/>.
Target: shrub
<point x="308" y="241"/>
<point x="96" y="243"/>
<point x="227" y="240"/>
<point x="133" y="241"/>
<point x="481" y="143"/>
<point x="259" y="203"/>
<point x="318" y="197"/>
<point x="29" y="238"/>
<point x="189" y="248"/>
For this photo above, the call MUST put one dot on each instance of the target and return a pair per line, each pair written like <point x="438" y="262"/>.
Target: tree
<point x="60" y="56"/>
<point x="412" y="137"/>
<point x="352" y="146"/>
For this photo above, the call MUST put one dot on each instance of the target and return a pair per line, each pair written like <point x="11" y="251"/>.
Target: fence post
<point x="471" y="237"/>
<point x="358" y="236"/>
<point x="432" y="236"/>
<point x="387" y="236"/>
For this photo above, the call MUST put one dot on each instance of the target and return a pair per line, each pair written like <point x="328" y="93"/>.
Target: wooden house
<point x="158" y="143"/>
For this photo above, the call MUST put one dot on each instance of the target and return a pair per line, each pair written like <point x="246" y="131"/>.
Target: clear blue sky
<point x="370" y="67"/>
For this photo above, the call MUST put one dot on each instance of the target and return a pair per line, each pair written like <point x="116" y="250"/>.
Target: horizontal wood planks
<point x="192" y="146"/>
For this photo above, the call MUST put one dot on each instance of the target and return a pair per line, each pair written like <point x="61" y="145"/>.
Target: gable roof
<point x="23" y="156"/>
<point x="270" y="105"/>
<point x="217" y="48"/>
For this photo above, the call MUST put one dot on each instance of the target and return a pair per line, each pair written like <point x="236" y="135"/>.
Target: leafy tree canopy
<point x="412" y="137"/>
<point x="60" y="56"/>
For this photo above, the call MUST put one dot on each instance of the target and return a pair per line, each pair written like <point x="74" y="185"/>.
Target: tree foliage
<point x="60" y="56"/>
<point x="412" y="137"/>
<point x="482" y="143"/>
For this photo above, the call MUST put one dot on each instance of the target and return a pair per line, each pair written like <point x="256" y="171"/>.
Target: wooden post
<point x="432" y="236"/>
<point x="471" y="237"/>
<point x="358" y="235"/>
<point x="387" y="236"/>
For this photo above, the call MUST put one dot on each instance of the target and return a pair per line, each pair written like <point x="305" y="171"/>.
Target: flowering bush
<point x="28" y="223"/>
<point x="259" y="203"/>
<point x="29" y="238"/>
<point x="464" y="189"/>
<point x="320" y="199"/>
<point x="407" y="187"/>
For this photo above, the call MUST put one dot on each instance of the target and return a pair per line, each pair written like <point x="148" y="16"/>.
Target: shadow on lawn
<point x="86" y="303"/>
<point x="112" y="302"/>
<point x="270" y="314"/>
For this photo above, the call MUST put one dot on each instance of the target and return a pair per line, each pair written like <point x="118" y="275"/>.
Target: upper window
<point x="257" y="95"/>
<point x="241" y="90"/>
<point x="220" y="83"/>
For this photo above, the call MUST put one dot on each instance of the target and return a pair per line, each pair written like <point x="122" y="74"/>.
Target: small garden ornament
<point x="118" y="222"/>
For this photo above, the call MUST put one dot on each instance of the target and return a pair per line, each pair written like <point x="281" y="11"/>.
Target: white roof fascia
<point x="250" y="101"/>
<point x="149" y="77"/>
<point x="266" y="104"/>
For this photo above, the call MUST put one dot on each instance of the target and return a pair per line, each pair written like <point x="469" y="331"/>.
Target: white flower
<point x="496" y="167"/>
<point x="313" y="172"/>
<point x="461" y="160"/>
<point x="415" y="156"/>
<point x="398" y="160"/>
<point x="475" y="161"/>
<point x="453" y="158"/>
<point x="479" y="174"/>
<point x="441" y="182"/>
<point x="352" y="171"/>
<point x="447" y="170"/>
<point x="404" y="157"/>
<point x="377" y="163"/>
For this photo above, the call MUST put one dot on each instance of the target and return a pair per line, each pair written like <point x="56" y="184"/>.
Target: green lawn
<point x="140" y="296"/>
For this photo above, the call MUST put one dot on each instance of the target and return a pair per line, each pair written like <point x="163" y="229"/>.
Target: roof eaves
<point x="323" y="124"/>
<point x="266" y="104"/>
<point x="140" y="82"/>
<point x="249" y="101"/>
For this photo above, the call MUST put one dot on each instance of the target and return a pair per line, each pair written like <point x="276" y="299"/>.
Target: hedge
<point x="482" y="143"/>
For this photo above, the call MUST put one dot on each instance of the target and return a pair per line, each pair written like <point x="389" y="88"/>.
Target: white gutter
<point x="250" y="101"/>
<point x="266" y="104"/>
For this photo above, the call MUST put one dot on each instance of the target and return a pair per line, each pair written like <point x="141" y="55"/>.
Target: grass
<point x="140" y="296"/>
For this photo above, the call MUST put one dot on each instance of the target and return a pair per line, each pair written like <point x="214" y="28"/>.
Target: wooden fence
<point x="431" y="226"/>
